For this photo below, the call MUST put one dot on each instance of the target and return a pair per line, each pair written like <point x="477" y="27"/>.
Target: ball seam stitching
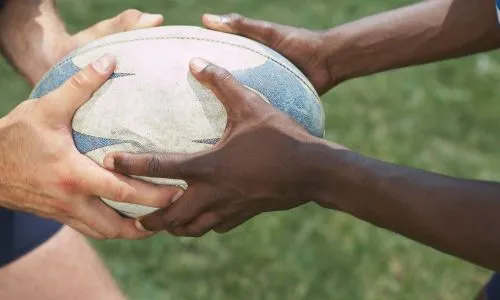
<point x="85" y="50"/>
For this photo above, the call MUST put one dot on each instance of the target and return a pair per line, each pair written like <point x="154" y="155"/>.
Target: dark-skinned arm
<point x="453" y="215"/>
<point x="266" y="162"/>
<point x="416" y="34"/>
<point x="424" y="32"/>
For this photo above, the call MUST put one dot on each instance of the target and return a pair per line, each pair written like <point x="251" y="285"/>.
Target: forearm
<point x="459" y="217"/>
<point x="29" y="35"/>
<point x="424" y="32"/>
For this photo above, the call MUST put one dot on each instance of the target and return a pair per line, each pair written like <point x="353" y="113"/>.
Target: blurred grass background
<point x="441" y="117"/>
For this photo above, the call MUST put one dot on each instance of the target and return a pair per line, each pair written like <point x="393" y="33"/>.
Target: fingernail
<point x="198" y="64"/>
<point x="213" y="18"/>
<point x="139" y="226"/>
<point x="177" y="195"/>
<point x="149" y="19"/>
<point x="103" y="64"/>
<point x="109" y="162"/>
<point x="220" y="23"/>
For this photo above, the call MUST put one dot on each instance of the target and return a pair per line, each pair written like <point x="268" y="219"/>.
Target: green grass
<point x="441" y="117"/>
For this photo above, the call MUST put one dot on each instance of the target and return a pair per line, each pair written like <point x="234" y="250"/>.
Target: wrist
<point x="337" y="178"/>
<point x="356" y="50"/>
<point x="33" y="61"/>
<point x="320" y="172"/>
<point x="412" y="35"/>
<point x="334" y="44"/>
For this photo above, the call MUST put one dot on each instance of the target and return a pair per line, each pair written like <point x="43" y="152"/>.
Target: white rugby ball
<point x="152" y="103"/>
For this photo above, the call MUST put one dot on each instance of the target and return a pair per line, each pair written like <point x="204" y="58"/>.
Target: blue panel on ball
<point x="58" y="75"/>
<point x="287" y="92"/>
<point x="54" y="79"/>
<point x="207" y="141"/>
<point x="87" y="143"/>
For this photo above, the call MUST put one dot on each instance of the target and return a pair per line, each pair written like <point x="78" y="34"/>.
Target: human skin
<point x="225" y="190"/>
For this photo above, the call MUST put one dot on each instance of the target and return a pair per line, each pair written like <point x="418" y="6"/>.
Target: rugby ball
<point x="152" y="103"/>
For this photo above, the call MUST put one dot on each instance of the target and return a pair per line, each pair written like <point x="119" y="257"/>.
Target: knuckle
<point x="154" y="164"/>
<point x="218" y="75"/>
<point x="269" y="33"/>
<point x="112" y="234"/>
<point x="199" y="230"/>
<point x="176" y="232"/>
<point x="267" y="28"/>
<point x="194" y="232"/>
<point x="81" y="81"/>
<point x="169" y="223"/>
<point x="236" y="19"/>
<point x="67" y="182"/>
<point x="221" y="230"/>
<point x="128" y="17"/>
<point x="131" y="13"/>
<point x="110" y="231"/>
<point x="121" y="193"/>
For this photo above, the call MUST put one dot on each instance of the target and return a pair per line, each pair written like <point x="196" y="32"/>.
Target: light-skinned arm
<point x="33" y="37"/>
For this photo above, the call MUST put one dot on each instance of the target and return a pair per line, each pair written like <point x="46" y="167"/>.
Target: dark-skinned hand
<point x="305" y="48"/>
<point x="255" y="167"/>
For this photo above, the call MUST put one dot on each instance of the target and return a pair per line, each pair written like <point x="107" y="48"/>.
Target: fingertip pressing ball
<point x="152" y="103"/>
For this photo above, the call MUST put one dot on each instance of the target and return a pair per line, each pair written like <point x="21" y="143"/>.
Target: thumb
<point x="261" y="31"/>
<point x="64" y="101"/>
<point x="231" y="93"/>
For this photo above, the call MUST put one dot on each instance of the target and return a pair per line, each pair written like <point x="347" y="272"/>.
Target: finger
<point x="119" y="227"/>
<point x="261" y="31"/>
<point x="95" y="180"/>
<point x="84" y="229"/>
<point x="232" y="223"/>
<point x="164" y="165"/>
<point x="128" y="20"/>
<point x="200" y="226"/>
<point x="64" y="101"/>
<point x="233" y="95"/>
<point x="78" y="225"/>
<point x="96" y="215"/>
<point x="195" y="201"/>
